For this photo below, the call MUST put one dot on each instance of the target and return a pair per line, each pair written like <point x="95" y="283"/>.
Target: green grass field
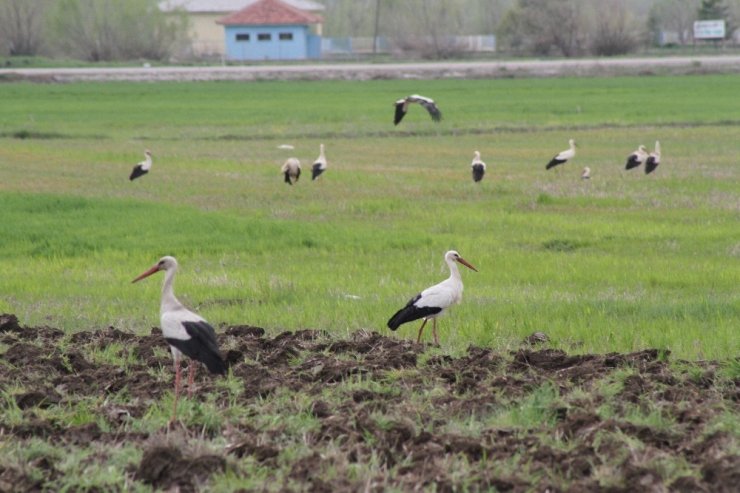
<point x="621" y="262"/>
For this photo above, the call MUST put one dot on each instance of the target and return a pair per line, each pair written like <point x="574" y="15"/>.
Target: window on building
<point x="264" y="37"/>
<point x="286" y="36"/>
<point x="242" y="37"/>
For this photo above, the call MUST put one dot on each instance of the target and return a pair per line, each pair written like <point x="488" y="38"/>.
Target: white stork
<point x="636" y="158"/>
<point x="653" y="159"/>
<point x="186" y="332"/>
<point x="478" y="167"/>
<point x="563" y="156"/>
<point x="142" y="167"/>
<point x="586" y="174"/>
<point x="433" y="301"/>
<point x="402" y="105"/>
<point x="319" y="166"/>
<point x="291" y="169"/>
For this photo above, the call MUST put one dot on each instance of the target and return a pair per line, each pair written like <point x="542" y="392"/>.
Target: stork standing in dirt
<point x="478" y="167"/>
<point x="320" y="165"/>
<point x="653" y="159"/>
<point x="186" y="332"/>
<point x="433" y="301"/>
<point x="402" y="106"/>
<point x="292" y="170"/>
<point x="142" y="167"/>
<point x="636" y="158"/>
<point x="563" y="156"/>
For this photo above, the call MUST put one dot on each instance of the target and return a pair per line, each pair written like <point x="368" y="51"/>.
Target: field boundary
<point x="353" y="71"/>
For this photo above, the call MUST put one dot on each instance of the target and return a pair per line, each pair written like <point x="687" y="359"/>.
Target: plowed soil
<point x="303" y="411"/>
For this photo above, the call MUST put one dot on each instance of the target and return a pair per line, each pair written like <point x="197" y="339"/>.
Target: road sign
<point x="709" y="29"/>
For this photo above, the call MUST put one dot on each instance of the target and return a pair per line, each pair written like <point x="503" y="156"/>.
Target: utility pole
<point x="377" y="23"/>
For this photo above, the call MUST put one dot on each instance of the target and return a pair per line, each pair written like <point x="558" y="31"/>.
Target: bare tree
<point x="544" y="26"/>
<point x="22" y="26"/>
<point x="117" y="29"/>
<point x="616" y="33"/>
<point x="676" y="16"/>
<point x="350" y="18"/>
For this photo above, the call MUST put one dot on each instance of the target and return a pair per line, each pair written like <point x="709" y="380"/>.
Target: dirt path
<point x="307" y="412"/>
<point x="365" y="71"/>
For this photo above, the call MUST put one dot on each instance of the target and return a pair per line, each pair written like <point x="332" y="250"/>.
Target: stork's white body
<point x="435" y="300"/>
<point x="653" y="159"/>
<point x="320" y="165"/>
<point x="142" y="167"/>
<point x="563" y="156"/>
<point x="291" y="169"/>
<point x="186" y="332"/>
<point x="402" y="106"/>
<point x="478" y="167"/>
<point x="636" y="158"/>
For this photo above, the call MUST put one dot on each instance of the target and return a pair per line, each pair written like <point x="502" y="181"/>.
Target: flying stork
<point x="142" y="167"/>
<point x="292" y="170"/>
<point x="186" y="332"/>
<point x="479" y="167"/>
<point x="563" y="156"/>
<point x="319" y="166"/>
<point x="636" y="158"/>
<point x="433" y="301"/>
<point x="653" y="159"/>
<point x="402" y="105"/>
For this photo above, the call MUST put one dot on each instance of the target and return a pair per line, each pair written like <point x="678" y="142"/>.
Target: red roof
<point x="269" y="12"/>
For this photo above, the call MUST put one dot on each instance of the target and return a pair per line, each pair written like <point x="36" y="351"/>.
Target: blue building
<point x="272" y="30"/>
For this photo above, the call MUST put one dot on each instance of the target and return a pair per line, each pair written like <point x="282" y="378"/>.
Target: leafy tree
<point x="717" y="10"/>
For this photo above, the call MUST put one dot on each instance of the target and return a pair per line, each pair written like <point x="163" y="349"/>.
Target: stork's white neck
<point x="169" y="301"/>
<point x="454" y="272"/>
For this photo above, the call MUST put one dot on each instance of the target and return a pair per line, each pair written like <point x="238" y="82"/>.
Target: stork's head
<point x="453" y="256"/>
<point x="477" y="155"/>
<point x="147" y="152"/>
<point x="166" y="263"/>
<point x="642" y="148"/>
<point x="572" y="143"/>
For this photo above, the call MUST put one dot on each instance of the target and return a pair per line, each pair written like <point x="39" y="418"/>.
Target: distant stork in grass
<point x="563" y="156"/>
<point x="319" y="166"/>
<point x="402" y="105"/>
<point x="433" y="301"/>
<point x="636" y="158"/>
<point x="292" y="170"/>
<point x="143" y="167"/>
<point x="586" y="174"/>
<point x="186" y="332"/>
<point x="478" y="167"/>
<point x="653" y="159"/>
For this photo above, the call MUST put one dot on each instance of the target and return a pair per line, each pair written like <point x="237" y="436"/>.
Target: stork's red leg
<point x="177" y="389"/>
<point x="191" y="376"/>
<point x="421" y="329"/>
<point x="434" y="331"/>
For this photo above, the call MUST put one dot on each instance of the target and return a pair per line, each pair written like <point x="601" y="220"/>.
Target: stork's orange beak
<point x="466" y="263"/>
<point x="146" y="274"/>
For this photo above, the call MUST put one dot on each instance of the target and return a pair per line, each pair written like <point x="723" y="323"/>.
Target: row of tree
<point x="93" y="30"/>
<point x="137" y="29"/>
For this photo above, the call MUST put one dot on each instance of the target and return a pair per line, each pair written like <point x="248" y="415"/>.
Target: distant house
<point x="272" y="30"/>
<point x="207" y="36"/>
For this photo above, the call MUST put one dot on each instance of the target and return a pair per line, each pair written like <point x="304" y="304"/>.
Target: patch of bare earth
<point x="396" y="413"/>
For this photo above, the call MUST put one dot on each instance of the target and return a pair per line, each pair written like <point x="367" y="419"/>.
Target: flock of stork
<point x="188" y="334"/>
